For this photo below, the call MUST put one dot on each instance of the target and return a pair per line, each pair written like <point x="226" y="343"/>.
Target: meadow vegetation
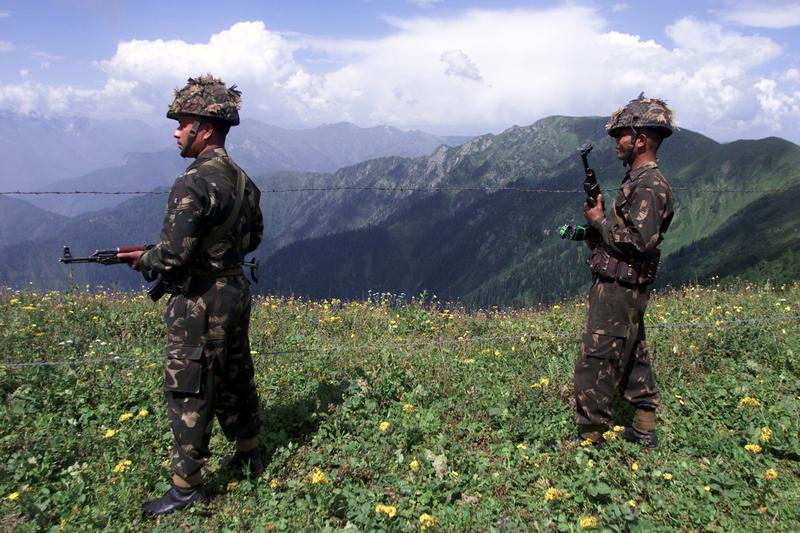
<point x="407" y="415"/>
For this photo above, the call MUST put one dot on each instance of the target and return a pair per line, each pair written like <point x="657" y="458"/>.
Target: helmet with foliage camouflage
<point x="642" y="113"/>
<point x="207" y="96"/>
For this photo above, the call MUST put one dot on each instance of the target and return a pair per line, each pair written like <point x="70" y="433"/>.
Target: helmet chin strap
<point x="628" y="161"/>
<point x="190" y="139"/>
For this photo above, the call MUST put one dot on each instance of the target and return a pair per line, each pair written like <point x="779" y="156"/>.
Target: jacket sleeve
<point x="181" y="229"/>
<point x="637" y="228"/>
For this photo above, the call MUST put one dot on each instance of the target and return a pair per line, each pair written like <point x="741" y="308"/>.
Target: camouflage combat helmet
<point x="207" y="96"/>
<point x="642" y="113"/>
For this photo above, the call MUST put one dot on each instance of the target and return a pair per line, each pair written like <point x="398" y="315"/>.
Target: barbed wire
<point x="529" y="190"/>
<point x="522" y="337"/>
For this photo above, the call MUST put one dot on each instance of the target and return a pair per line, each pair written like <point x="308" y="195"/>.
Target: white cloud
<point x="459" y="64"/>
<point x="764" y="13"/>
<point x="4" y="14"/>
<point x="424" y="3"/>
<point x="616" y="8"/>
<point x="474" y="72"/>
<point x="6" y="46"/>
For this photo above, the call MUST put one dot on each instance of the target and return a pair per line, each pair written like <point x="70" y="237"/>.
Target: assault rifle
<point x="592" y="190"/>
<point x="160" y="283"/>
<point x="111" y="257"/>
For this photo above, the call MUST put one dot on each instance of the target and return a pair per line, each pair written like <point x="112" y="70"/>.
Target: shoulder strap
<point x="241" y="181"/>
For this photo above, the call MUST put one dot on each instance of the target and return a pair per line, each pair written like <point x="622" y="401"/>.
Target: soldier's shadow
<point x="292" y="422"/>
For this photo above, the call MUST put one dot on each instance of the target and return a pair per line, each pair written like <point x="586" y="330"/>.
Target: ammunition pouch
<point x="629" y="271"/>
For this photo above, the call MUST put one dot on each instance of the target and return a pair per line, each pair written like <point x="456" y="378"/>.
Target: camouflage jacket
<point x="200" y="199"/>
<point x="641" y="213"/>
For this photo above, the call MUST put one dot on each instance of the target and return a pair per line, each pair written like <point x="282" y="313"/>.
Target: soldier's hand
<point x="131" y="258"/>
<point x="596" y="213"/>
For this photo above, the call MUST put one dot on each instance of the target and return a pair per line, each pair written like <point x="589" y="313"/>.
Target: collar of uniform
<point x="210" y="154"/>
<point x="637" y="172"/>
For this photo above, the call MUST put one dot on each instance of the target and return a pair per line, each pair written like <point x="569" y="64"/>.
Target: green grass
<point x="476" y="406"/>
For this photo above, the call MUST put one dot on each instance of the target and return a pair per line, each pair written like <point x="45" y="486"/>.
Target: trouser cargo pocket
<point x="184" y="369"/>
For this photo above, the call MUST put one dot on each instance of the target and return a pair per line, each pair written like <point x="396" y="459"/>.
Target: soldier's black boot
<point x="649" y="439"/>
<point x="250" y="459"/>
<point x="174" y="499"/>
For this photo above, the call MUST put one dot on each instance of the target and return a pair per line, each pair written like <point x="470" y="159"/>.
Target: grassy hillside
<point x="381" y="414"/>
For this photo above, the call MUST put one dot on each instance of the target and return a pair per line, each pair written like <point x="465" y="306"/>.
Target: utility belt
<point x="632" y="272"/>
<point x="190" y="280"/>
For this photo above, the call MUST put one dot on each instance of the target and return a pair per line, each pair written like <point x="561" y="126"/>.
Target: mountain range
<point x="57" y="154"/>
<point x="442" y="227"/>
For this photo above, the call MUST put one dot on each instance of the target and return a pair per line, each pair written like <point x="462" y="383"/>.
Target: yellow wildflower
<point x="383" y="426"/>
<point x="274" y="484"/>
<point x="253" y="352"/>
<point x="14" y="301"/>
<point x="13" y="496"/>
<point x="707" y="488"/>
<point x="109" y="433"/>
<point x="770" y="474"/>
<point x="667" y="476"/>
<point x="544" y="382"/>
<point x="753" y="448"/>
<point x="122" y="466"/>
<point x="414" y="466"/>
<point x="469" y="361"/>
<point x="766" y="435"/>
<point x="556" y="307"/>
<point x="426" y="521"/>
<point x="747" y="401"/>
<point x="617" y="429"/>
<point x="586" y="442"/>
<point x="521" y="446"/>
<point x="407" y="408"/>
<point x="143" y="413"/>
<point x="318" y="476"/>
<point x="609" y="435"/>
<point x="590" y="464"/>
<point x="632" y="503"/>
<point x="497" y="353"/>
<point x="588" y="522"/>
<point x="125" y="416"/>
<point x="388" y="510"/>
<point x="634" y="466"/>
<point x="554" y="494"/>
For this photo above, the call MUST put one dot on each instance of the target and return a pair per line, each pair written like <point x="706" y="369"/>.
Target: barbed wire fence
<point x="123" y="360"/>
<point x="522" y="337"/>
<point x="529" y="190"/>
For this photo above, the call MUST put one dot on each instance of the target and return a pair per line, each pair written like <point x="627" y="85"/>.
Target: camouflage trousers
<point x="614" y="355"/>
<point x="209" y="370"/>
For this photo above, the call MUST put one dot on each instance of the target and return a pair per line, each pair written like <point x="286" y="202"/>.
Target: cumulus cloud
<point x="478" y="71"/>
<point x="764" y="13"/>
<point x="458" y="64"/>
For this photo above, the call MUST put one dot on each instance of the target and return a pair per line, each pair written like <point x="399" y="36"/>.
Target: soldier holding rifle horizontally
<point x="623" y="262"/>
<point x="212" y="221"/>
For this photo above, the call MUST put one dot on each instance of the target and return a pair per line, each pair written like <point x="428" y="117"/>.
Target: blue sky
<point x="730" y="68"/>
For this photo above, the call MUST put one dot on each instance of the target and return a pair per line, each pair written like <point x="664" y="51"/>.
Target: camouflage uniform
<point x="209" y="370"/>
<point x="614" y="354"/>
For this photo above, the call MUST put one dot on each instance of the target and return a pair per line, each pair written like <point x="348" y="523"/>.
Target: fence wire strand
<point x="529" y="336"/>
<point x="529" y="190"/>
